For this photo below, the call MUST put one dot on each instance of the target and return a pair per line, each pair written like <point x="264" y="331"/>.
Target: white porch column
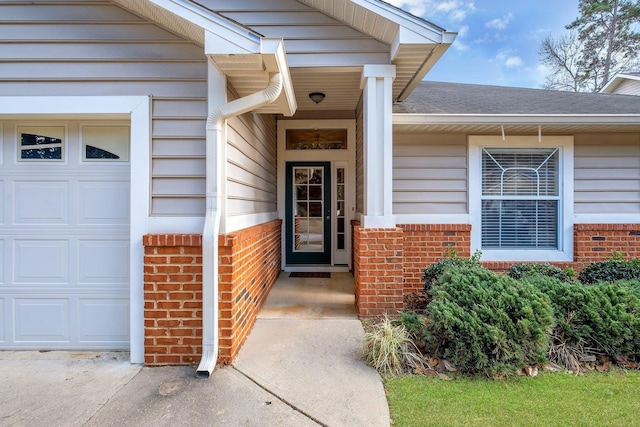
<point x="376" y="84"/>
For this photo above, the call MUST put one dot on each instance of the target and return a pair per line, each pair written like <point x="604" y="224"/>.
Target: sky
<point x="498" y="40"/>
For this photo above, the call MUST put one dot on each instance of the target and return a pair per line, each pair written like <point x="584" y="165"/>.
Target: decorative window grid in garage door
<point x="64" y="241"/>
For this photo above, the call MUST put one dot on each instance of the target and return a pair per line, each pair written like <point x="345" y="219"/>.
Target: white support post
<point x="376" y="84"/>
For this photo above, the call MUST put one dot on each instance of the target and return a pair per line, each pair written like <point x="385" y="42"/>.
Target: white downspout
<point x="215" y="164"/>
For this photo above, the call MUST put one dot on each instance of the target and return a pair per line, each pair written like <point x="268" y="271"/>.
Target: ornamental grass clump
<point x="487" y="324"/>
<point x="388" y="348"/>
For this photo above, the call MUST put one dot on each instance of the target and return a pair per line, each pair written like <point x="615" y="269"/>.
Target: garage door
<point x="64" y="241"/>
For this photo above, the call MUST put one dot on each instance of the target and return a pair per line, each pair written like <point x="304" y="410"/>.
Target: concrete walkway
<point x="299" y="367"/>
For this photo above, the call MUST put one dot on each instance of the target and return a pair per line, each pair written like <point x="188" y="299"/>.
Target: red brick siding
<point x="378" y="275"/>
<point x="249" y="264"/>
<point x="172" y="298"/>
<point x="378" y="280"/>
<point x="425" y="244"/>
<point x="595" y="242"/>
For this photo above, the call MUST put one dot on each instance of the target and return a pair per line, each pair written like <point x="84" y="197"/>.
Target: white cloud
<point x="500" y="24"/>
<point x="514" y="62"/>
<point x="453" y="10"/>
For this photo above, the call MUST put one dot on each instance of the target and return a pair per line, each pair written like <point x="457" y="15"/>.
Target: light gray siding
<point x="57" y="48"/>
<point x="307" y="32"/>
<point x="86" y="47"/>
<point x="628" y="87"/>
<point x="251" y="168"/>
<point x="607" y="174"/>
<point x="429" y="173"/>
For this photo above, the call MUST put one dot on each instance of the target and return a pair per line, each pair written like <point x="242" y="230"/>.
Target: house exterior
<point x="623" y="84"/>
<point x="164" y="160"/>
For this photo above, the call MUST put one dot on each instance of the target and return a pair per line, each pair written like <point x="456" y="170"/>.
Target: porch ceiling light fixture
<point x="317" y="97"/>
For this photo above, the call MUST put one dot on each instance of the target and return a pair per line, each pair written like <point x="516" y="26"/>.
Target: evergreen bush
<point x="604" y="317"/>
<point x="451" y="260"/>
<point x="485" y="323"/>
<point x="518" y="271"/>
<point x="610" y="270"/>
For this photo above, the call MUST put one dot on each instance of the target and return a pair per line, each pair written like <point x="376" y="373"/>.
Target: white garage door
<point x="64" y="241"/>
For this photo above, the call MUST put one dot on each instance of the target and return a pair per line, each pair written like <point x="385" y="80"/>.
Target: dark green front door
<point x="308" y="213"/>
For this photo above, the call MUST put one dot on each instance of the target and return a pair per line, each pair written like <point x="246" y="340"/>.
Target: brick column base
<point x="378" y="274"/>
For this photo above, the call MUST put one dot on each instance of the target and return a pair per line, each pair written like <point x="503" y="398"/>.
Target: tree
<point x="604" y="41"/>
<point x="562" y="57"/>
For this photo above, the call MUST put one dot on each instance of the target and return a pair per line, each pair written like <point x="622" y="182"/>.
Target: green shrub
<point x="388" y="347"/>
<point x="486" y="323"/>
<point x="603" y="318"/>
<point x="610" y="270"/>
<point x="518" y="271"/>
<point x="451" y="260"/>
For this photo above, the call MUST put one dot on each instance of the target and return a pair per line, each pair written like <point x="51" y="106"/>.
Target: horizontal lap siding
<point x="628" y="87"/>
<point x="607" y="174"/>
<point x="429" y="174"/>
<point x="99" y="49"/>
<point x="251" y="168"/>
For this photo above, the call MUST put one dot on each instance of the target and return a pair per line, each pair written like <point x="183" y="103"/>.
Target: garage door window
<point x="105" y="143"/>
<point x="41" y="143"/>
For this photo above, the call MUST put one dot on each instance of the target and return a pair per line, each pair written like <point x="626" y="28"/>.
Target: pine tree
<point x="609" y="42"/>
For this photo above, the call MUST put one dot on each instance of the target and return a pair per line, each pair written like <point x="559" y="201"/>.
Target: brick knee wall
<point x="425" y="244"/>
<point x="595" y="242"/>
<point x="379" y="283"/>
<point x="249" y="264"/>
<point x="172" y="299"/>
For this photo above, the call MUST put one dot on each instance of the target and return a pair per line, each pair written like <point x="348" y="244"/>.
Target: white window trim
<point x="565" y="220"/>
<point x="137" y="109"/>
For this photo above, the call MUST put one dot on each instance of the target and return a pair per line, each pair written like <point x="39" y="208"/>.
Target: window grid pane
<point x="520" y="206"/>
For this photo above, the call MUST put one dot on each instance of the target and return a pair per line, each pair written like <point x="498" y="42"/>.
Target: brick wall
<point x="595" y="242"/>
<point x="172" y="299"/>
<point x="424" y="244"/>
<point x="249" y="264"/>
<point x="389" y="262"/>
<point x="378" y="273"/>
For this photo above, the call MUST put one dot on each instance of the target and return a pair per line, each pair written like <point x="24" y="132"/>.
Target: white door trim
<point x="137" y="110"/>
<point x="345" y="157"/>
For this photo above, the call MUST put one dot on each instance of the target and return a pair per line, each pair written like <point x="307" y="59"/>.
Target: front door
<point x="308" y="213"/>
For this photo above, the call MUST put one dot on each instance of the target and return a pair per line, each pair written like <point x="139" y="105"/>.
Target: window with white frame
<point x="521" y="197"/>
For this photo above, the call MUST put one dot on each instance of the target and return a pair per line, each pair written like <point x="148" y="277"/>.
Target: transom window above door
<point x="316" y="139"/>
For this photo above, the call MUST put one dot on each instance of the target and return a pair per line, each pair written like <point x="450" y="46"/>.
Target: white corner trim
<point x="137" y="109"/>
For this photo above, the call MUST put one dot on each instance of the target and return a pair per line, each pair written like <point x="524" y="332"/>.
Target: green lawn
<point x="548" y="400"/>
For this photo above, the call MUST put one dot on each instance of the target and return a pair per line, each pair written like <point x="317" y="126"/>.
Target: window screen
<point x="520" y="198"/>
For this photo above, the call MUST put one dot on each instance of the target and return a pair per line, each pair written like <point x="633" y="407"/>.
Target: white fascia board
<point x="534" y="119"/>
<point x="275" y="60"/>
<point x="234" y="34"/>
<point x="406" y="36"/>
<point x="430" y="31"/>
<point x="616" y="81"/>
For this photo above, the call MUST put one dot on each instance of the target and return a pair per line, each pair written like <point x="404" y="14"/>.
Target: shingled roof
<point x="469" y="99"/>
